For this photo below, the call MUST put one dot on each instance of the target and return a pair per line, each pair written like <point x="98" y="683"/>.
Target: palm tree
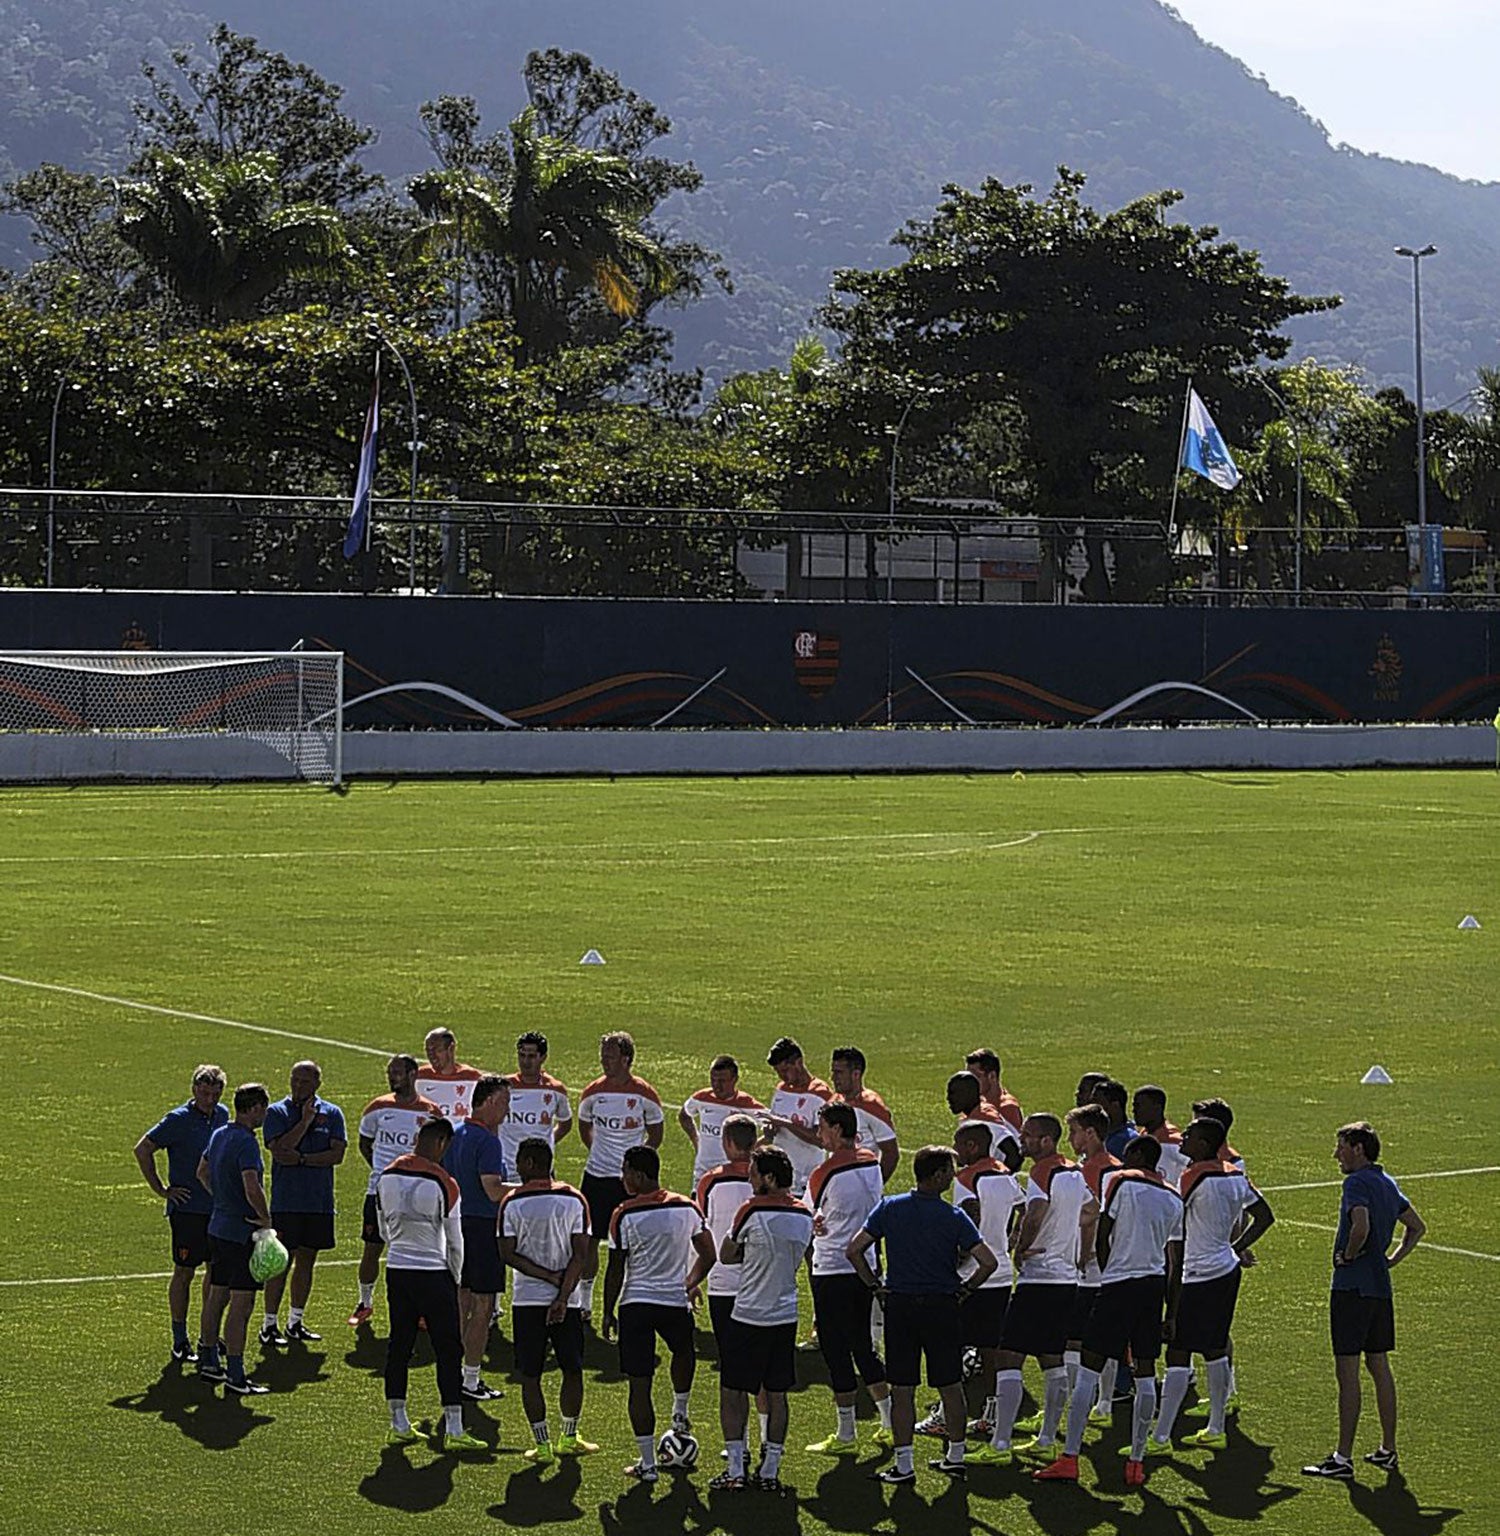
<point x="219" y="234"/>
<point x="564" y="217"/>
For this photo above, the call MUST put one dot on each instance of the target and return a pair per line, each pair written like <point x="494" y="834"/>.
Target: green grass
<point x="1264" y="937"/>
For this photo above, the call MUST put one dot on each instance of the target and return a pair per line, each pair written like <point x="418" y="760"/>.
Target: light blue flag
<point x="1203" y="449"/>
<point x="357" y="535"/>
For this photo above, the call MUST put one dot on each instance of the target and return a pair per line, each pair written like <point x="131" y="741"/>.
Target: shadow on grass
<point x="1394" y="1509"/>
<point x="541" y="1497"/>
<point x="398" y="1484"/>
<point x="1236" y="1484"/>
<point x="848" y="1498"/>
<point x="283" y="1370"/>
<point x="217" y="1422"/>
<point x="673" y="1504"/>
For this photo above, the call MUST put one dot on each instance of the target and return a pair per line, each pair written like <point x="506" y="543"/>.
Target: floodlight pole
<point x="62" y="384"/>
<point x="890" y="553"/>
<point x="1416" y="299"/>
<point x="1295" y="423"/>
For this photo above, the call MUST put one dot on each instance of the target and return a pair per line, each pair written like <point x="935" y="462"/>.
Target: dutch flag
<point x="357" y="536"/>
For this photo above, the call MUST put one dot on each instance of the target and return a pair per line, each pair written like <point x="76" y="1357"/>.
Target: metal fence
<point x="128" y="540"/>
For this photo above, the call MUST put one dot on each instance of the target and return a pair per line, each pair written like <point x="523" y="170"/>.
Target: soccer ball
<point x="677" y="1449"/>
<point x="972" y="1363"/>
<point x="268" y="1256"/>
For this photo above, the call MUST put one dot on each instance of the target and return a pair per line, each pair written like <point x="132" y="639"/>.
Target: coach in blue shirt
<point x="306" y="1138"/>
<point x="925" y="1239"/>
<point x="476" y="1160"/>
<point x="1361" y="1311"/>
<point x="183" y="1133"/>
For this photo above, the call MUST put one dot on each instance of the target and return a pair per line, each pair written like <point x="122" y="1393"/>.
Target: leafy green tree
<point x="1467" y="453"/>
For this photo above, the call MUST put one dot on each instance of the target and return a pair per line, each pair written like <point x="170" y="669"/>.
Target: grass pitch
<point x="1264" y="937"/>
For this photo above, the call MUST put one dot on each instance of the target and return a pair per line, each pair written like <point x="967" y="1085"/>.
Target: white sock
<point x="680" y="1405"/>
<point x="270" y="1314"/>
<point x="569" y="1428"/>
<point x="1054" y="1400"/>
<point x="540" y="1433"/>
<point x="399" y="1421"/>
<point x="453" y="1418"/>
<point x="1107" y="1378"/>
<point x="1007" y="1402"/>
<point x="904" y="1459"/>
<point x="1140" y="1415"/>
<point x="846" y="1423"/>
<point x="883" y="1408"/>
<point x="1072" y="1359"/>
<point x="987" y="1413"/>
<point x="367" y="1294"/>
<point x="1174" y="1389"/>
<point x="294" y="1316"/>
<point x="1234" y="1385"/>
<point x="471" y="1375"/>
<point x="586" y="1296"/>
<point x="736" y="1449"/>
<point x="646" y="1444"/>
<point x="1078" y="1409"/>
<point x="770" y="1462"/>
<point x="956" y="1450"/>
<point x="1218" y="1394"/>
<point x="763" y="1423"/>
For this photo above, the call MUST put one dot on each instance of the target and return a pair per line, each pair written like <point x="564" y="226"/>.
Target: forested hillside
<point x="821" y="126"/>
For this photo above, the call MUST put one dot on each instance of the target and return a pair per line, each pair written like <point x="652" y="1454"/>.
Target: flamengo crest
<point x="815" y="659"/>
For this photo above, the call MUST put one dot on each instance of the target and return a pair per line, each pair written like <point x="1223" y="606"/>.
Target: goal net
<point x="171" y="714"/>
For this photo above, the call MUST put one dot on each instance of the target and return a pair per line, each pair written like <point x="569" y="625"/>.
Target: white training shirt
<point x="876" y="1128"/>
<point x="1000" y="1129"/>
<point x="540" y="1110"/>
<point x="999" y="1194"/>
<point x="618" y="1117"/>
<point x="452" y="1092"/>
<point x="1146" y="1215"/>
<point x="775" y="1231"/>
<point x="1171" y="1164"/>
<point x="419" y="1215"/>
<point x="655" y="1233"/>
<point x="843" y="1191"/>
<point x="708" y="1115"/>
<point x="543" y="1216"/>
<point x="721" y="1193"/>
<point x="1059" y="1186"/>
<point x="800" y="1106"/>
<point x="1214" y="1197"/>
<point x="392" y="1127"/>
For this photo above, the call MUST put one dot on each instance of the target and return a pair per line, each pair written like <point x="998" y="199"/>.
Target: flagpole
<point x="1187" y="399"/>
<point x="370" y="515"/>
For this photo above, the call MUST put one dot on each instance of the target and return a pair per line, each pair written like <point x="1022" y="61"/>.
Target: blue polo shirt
<point x="473" y="1151"/>
<point x="924" y="1237"/>
<point x="1116" y="1142"/>
<point x="184" y="1133"/>
<point x="231" y="1150"/>
<point x="304" y="1189"/>
<point x="1379" y="1193"/>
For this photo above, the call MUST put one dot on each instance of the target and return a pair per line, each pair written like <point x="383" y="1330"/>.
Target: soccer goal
<point x="76" y="715"/>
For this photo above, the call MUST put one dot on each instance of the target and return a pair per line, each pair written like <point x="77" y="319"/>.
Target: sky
<point x="1412" y="81"/>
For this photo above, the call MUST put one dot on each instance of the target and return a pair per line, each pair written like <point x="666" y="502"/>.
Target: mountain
<point x="822" y="126"/>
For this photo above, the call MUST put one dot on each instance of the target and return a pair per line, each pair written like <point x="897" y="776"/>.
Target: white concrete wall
<point x="398" y="754"/>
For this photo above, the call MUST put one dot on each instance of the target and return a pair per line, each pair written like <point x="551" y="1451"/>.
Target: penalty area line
<point x="1406" y="1178"/>
<point x="182" y="1013"/>
<point x="1423" y="1246"/>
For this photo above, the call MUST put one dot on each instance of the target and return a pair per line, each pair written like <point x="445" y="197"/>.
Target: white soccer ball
<point x="677" y="1449"/>
<point x="972" y="1362"/>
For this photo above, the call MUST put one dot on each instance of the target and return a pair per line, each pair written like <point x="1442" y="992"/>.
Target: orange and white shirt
<point x="1000" y="1129"/>
<point x="1096" y="1169"/>
<point x="708" y="1113"/>
<point x="543" y="1216"/>
<point x="999" y="1195"/>
<point x="392" y="1127"/>
<point x="775" y="1231"/>
<point x="800" y="1106"/>
<point x="537" y="1109"/>
<point x="1215" y="1197"/>
<point x="1009" y="1108"/>
<point x="1145" y="1215"/>
<point x="721" y="1193"/>
<point x="876" y="1128"/>
<point x="1171" y="1164"/>
<point x="843" y="1191"/>
<point x="420" y="1216"/>
<point x="1053" y="1254"/>
<point x="655" y="1232"/>
<point x="617" y="1115"/>
<point x="452" y="1092"/>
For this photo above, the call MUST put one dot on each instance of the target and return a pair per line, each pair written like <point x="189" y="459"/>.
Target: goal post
<point x="78" y="715"/>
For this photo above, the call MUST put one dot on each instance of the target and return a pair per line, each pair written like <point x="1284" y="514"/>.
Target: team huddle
<point x="1090" y="1265"/>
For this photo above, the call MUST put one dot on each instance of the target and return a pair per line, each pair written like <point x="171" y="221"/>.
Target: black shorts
<point x="370" y="1223"/>
<point x="604" y="1196"/>
<point x="1085" y="1297"/>
<point x="983" y="1316"/>
<point x="759" y="1356"/>
<point x="304" y="1229"/>
<point x="1038" y="1318"/>
<point x="641" y="1323"/>
<point x="1129" y="1312"/>
<point x="719" y="1308"/>
<point x="1361" y="1325"/>
<point x="483" y="1274"/>
<point x="841" y="1314"/>
<point x="1205" y="1313"/>
<point x="918" y="1326"/>
<point x="229" y="1265"/>
<point x="189" y="1238"/>
<point x="532" y="1334"/>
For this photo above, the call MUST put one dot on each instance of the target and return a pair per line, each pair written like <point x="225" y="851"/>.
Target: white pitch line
<point x="160" y="1274"/>
<point x="1406" y="1178"/>
<point x="182" y="1013"/>
<point x="1423" y="1246"/>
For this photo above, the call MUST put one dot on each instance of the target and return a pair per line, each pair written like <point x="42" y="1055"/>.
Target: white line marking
<point x="1406" y="1178"/>
<point x="161" y="1274"/>
<point x="1423" y="1246"/>
<point x="181" y="1013"/>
